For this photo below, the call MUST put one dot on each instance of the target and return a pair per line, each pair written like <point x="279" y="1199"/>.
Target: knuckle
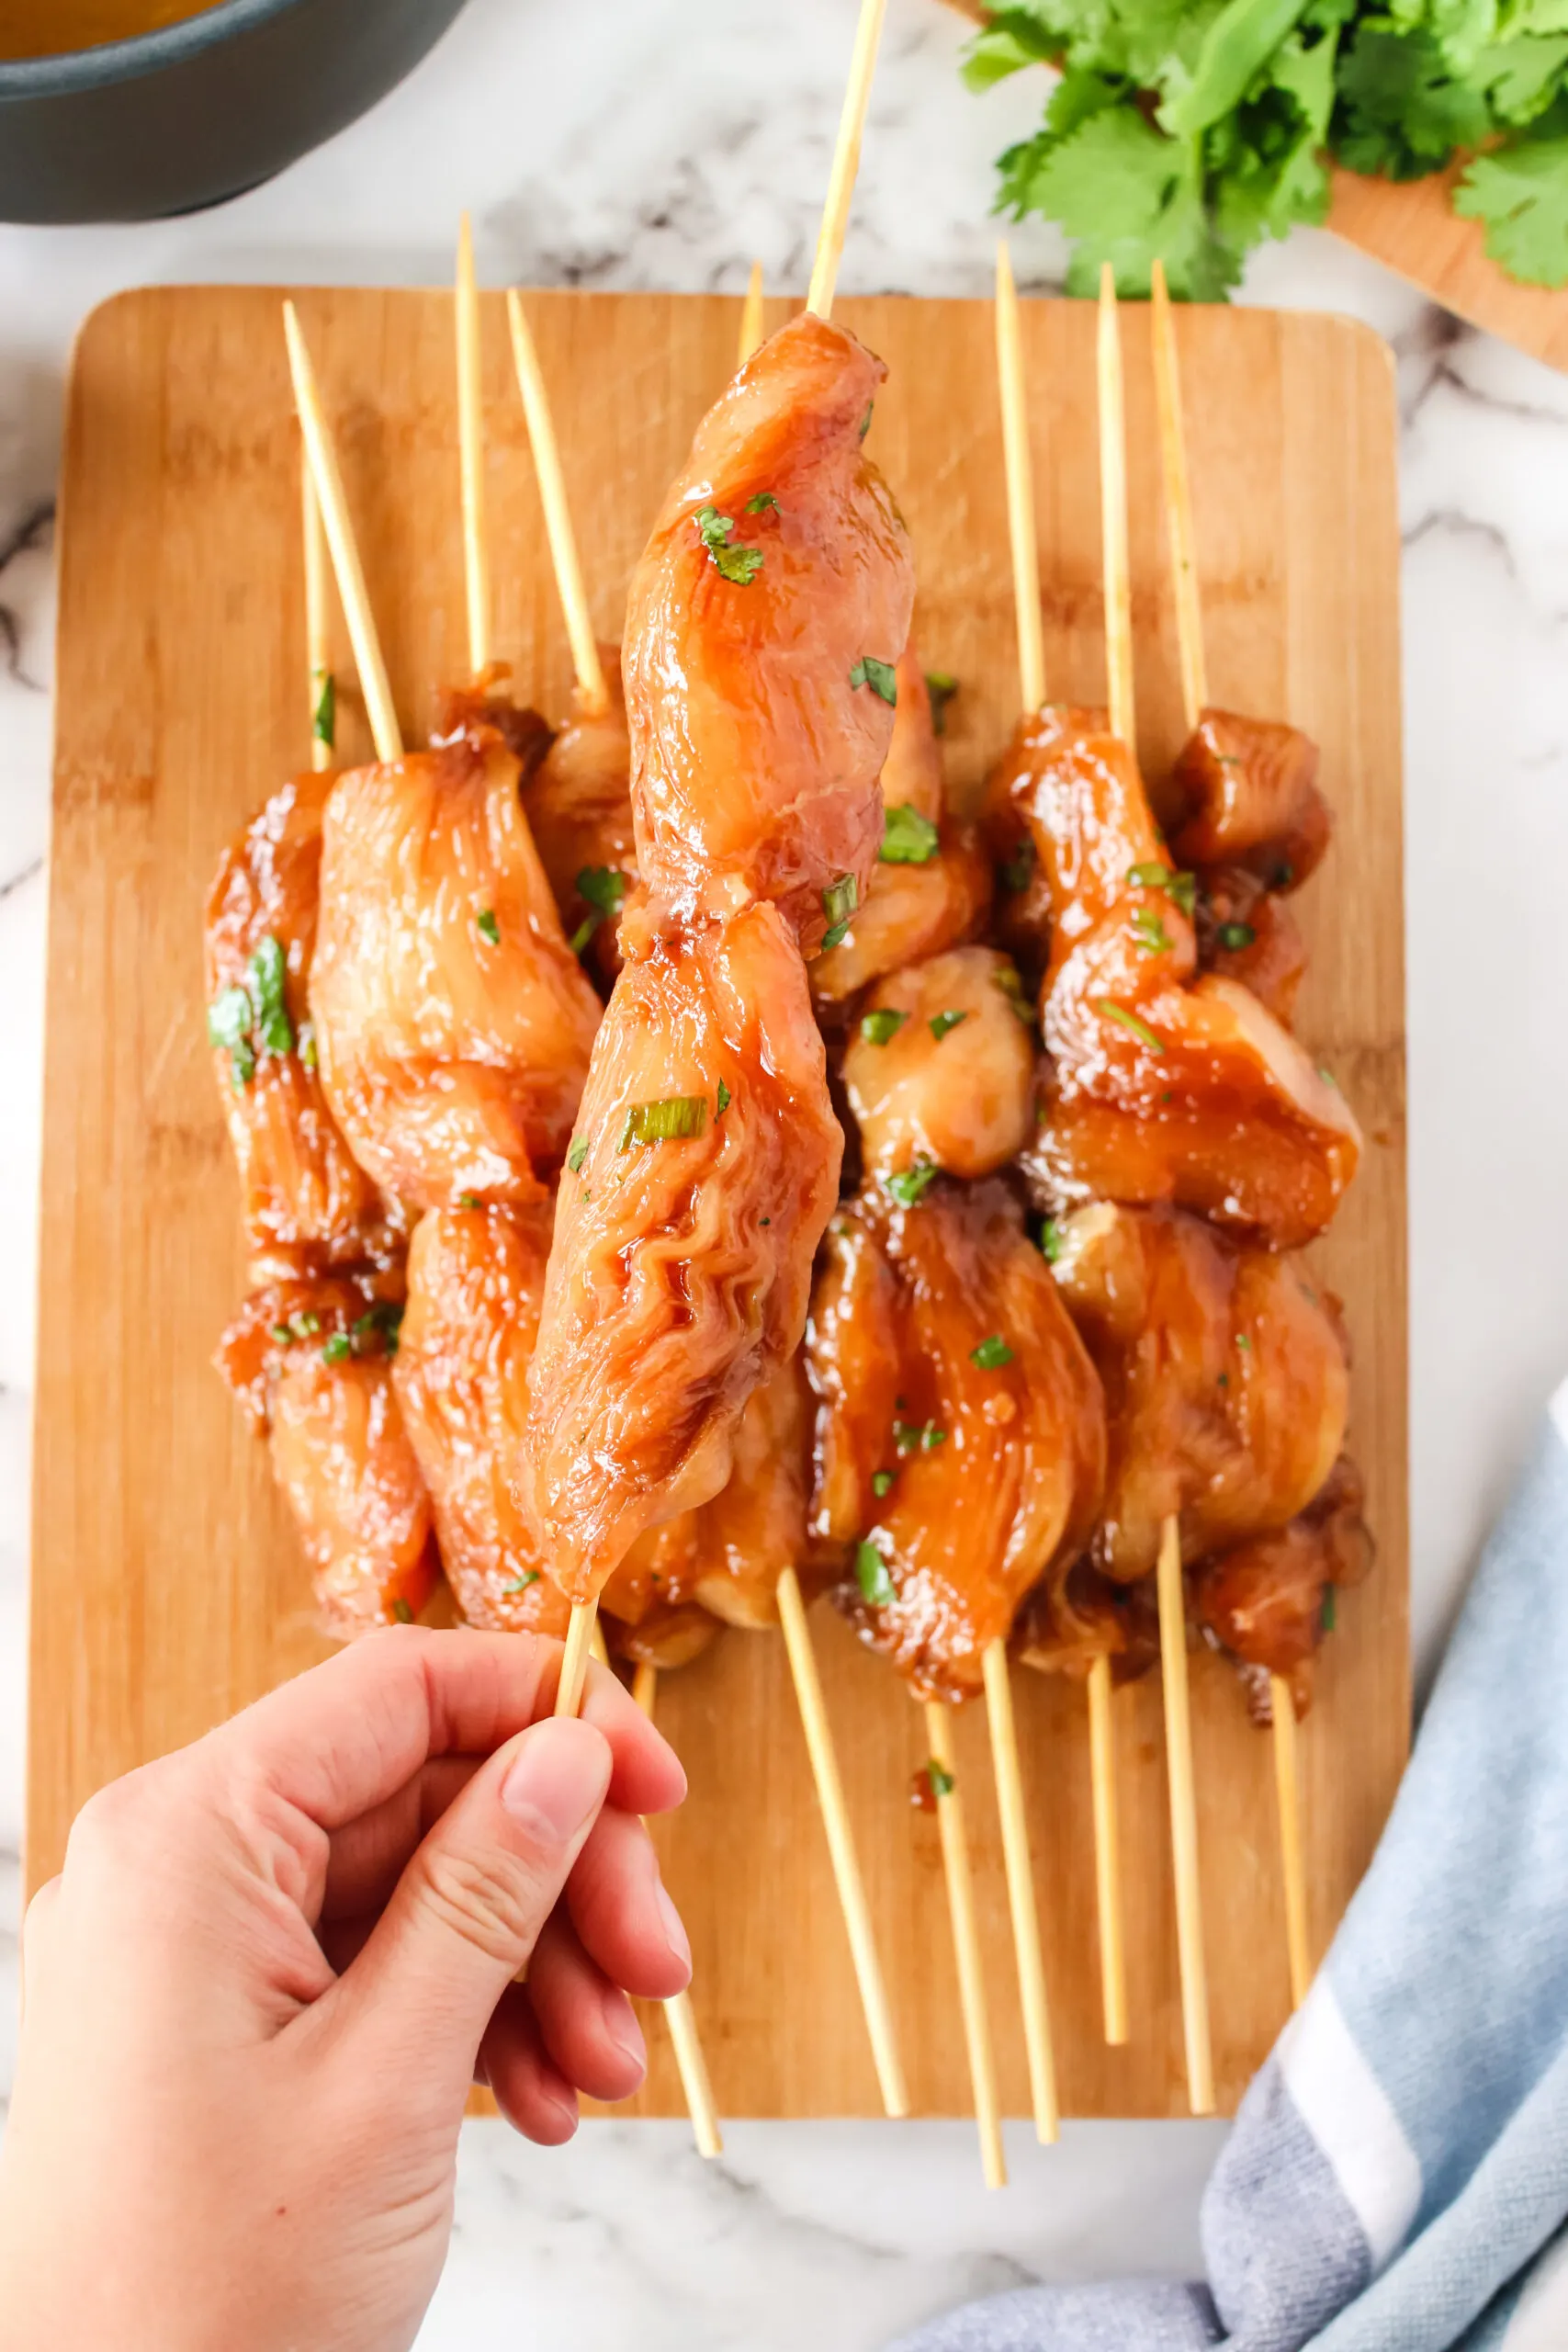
<point x="491" y="1901"/>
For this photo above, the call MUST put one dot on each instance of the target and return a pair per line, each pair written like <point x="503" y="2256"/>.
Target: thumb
<point x="464" y="1915"/>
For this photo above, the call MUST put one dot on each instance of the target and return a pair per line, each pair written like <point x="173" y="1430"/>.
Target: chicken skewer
<point x="678" y="2014"/>
<point x="1195" y="697"/>
<point x="790" y="1601"/>
<point x="1172" y="1599"/>
<point x="1032" y="684"/>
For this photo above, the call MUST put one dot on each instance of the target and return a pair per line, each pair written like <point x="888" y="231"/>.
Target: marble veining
<point x="666" y="145"/>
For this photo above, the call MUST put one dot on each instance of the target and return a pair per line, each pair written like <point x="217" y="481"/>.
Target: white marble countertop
<point x="664" y="143"/>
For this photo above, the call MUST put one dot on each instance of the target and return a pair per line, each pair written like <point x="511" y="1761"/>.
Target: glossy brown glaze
<point x="578" y="802"/>
<point x="1161" y="1085"/>
<point x="955" y="1082"/>
<point x="1069" y="1622"/>
<point x="452" y="1022"/>
<point x="1265" y="1600"/>
<point x="1226" y="1375"/>
<point x="486" y="703"/>
<point x="306" y="1202"/>
<point x="991" y="1470"/>
<point x="310" y="1362"/>
<point x="755" y="1526"/>
<point x="679" y="1269"/>
<point x="1249" y="933"/>
<point x="475" y="1280"/>
<point x="666" y="1636"/>
<point x="1248" y="795"/>
<point x="755" y="760"/>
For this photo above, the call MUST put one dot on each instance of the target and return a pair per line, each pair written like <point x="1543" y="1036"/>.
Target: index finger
<point x="346" y="1736"/>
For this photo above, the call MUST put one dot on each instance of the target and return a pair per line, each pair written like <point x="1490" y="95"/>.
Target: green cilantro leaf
<point x="1520" y="192"/>
<point x="740" y="564"/>
<point x="941" y="1023"/>
<point x="880" y="676"/>
<point x="764" y="498"/>
<point x="910" y="1183"/>
<point x="992" y="1353"/>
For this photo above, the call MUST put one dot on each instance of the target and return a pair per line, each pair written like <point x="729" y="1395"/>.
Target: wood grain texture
<point x="168" y="1589"/>
<point x="1415" y="231"/>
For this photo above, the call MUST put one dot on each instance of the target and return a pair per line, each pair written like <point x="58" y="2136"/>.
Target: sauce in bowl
<point x="53" y="27"/>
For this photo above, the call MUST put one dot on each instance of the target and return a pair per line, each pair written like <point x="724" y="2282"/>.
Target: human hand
<point x="259" y="1993"/>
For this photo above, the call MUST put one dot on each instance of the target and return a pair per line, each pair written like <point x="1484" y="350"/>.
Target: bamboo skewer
<point x="1107" y="1853"/>
<point x="840" y="1845"/>
<point x="322" y="684"/>
<point x="965" y="1943"/>
<point x="574" y="1657"/>
<point x="679" y="2015"/>
<point x="846" y="158"/>
<point x="1020" y="1869"/>
<point x="1020" y="472"/>
<point x="471" y="451"/>
<point x="1195" y="695"/>
<point x="355" y="596"/>
<point x="1184" y="1822"/>
<point x="751" y="314"/>
<point x="1172" y="1603"/>
<point x="567" y="568"/>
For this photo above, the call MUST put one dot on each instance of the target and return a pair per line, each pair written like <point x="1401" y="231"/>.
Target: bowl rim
<point x="67" y="71"/>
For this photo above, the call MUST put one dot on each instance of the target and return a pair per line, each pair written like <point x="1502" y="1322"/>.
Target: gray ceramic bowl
<point x="185" y="117"/>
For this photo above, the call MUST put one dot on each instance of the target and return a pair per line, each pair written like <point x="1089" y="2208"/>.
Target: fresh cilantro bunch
<point x="1191" y="129"/>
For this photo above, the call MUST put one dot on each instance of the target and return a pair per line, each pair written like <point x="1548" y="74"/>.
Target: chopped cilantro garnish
<point x="740" y="564"/>
<point x="918" y="1437"/>
<point x="1150" y="933"/>
<point x="1181" y="890"/>
<point x="603" y="887"/>
<point x="1242" y="1341"/>
<point x="336" y="1347"/>
<point x="528" y="1577"/>
<point x="880" y="1482"/>
<point x="941" y="1023"/>
<point x="871" y="1575"/>
<point x="323" y="718"/>
<point x="941" y="1779"/>
<point x="487" y="926"/>
<point x="1052" y="1241"/>
<point x="283" y="1333"/>
<point x="269" y="976"/>
<point x="672" y="1121"/>
<point x="1233" y="936"/>
<point x="910" y="1183"/>
<point x="468" y="1200"/>
<point x="1130" y="1021"/>
<point x="578" y="1154"/>
<point x="880" y="1027"/>
<point x="991" y="1353"/>
<point x="839" y="900"/>
<point x="723" y="1099"/>
<point x="907" y="838"/>
<point x="764" y="498"/>
<point x="880" y="676"/>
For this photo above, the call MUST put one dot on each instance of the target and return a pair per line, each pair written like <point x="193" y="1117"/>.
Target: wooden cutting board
<point x="167" y="1585"/>
<point x="1415" y="231"/>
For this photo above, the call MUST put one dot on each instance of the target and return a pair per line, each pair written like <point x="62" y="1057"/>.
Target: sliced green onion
<point x="1235" y="935"/>
<point x="336" y="1347"/>
<point x="1150" y="933"/>
<point x="839" y="900"/>
<point x="907" y="838"/>
<point x="991" y="1353"/>
<point x="866" y="421"/>
<point x="528" y="1577"/>
<point x="1052" y="1241"/>
<point x="941" y="1023"/>
<point x="323" y="718"/>
<point x="871" y="1575"/>
<point x="910" y="1183"/>
<point x="578" y="1154"/>
<point x="1012" y="988"/>
<point x="762" y="499"/>
<point x="675" y="1119"/>
<point x="487" y="926"/>
<point x="1130" y="1021"/>
<point x="880" y="1482"/>
<point x="881" y="1027"/>
<point x="941" y="1779"/>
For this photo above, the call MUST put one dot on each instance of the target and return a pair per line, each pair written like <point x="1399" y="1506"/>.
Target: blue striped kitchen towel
<point x="1397" y="2179"/>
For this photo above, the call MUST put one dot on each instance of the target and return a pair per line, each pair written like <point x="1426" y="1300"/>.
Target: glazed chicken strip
<point x="939" y="1070"/>
<point x="764" y="625"/>
<point x="1069" y="1622"/>
<point x="1270" y="1602"/>
<point x="931" y="884"/>
<point x="307" y="1202"/>
<point x="704" y="1168"/>
<point x="1226" y="1375"/>
<point x="1160" y="1085"/>
<point x="1249" y="797"/>
<point x="578" y="802"/>
<point x="961" y="1433"/>
<point x="312" y="1363"/>
<point x="452" y="1021"/>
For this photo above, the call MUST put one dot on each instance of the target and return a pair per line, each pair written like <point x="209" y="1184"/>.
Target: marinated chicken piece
<point x="1268" y="1601"/>
<point x="763" y="626"/>
<point x="931" y="884"/>
<point x="1161" y="1086"/>
<point x="704" y="1168"/>
<point x="475" y="1280"/>
<point x="1249" y="795"/>
<point x="666" y="1636"/>
<point x="312" y="1363"/>
<point x="308" y="1204"/>
<point x="1226" y="1379"/>
<point x="940" y="1070"/>
<point x="578" y="807"/>
<point x="454" y="1023"/>
<point x="485" y="703"/>
<point x="1247" y="932"/>
<point x="1069" y="1622"/>
<point x="755" y="1526"/>
<point x="961" y="1431"/>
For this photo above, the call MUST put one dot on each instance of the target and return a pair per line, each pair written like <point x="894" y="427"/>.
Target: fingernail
<point x="674" y="1932"/>
<point x="622" y="2028"/>
<point x="557" y="1780"/>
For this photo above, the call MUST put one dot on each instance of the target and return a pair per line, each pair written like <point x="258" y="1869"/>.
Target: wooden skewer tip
<point x="575" y="1657"/>
<point x="967" y="1946"/>
<point x="1019" y="1869"/>
<point x="846" y="158"/>
<point x="1107" y="1853"/>
<point x="471" y="450"/>
<point x="1184" y="1822"/>
<point x="1287" y="1778"/>
<point x="591" y="689"/>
